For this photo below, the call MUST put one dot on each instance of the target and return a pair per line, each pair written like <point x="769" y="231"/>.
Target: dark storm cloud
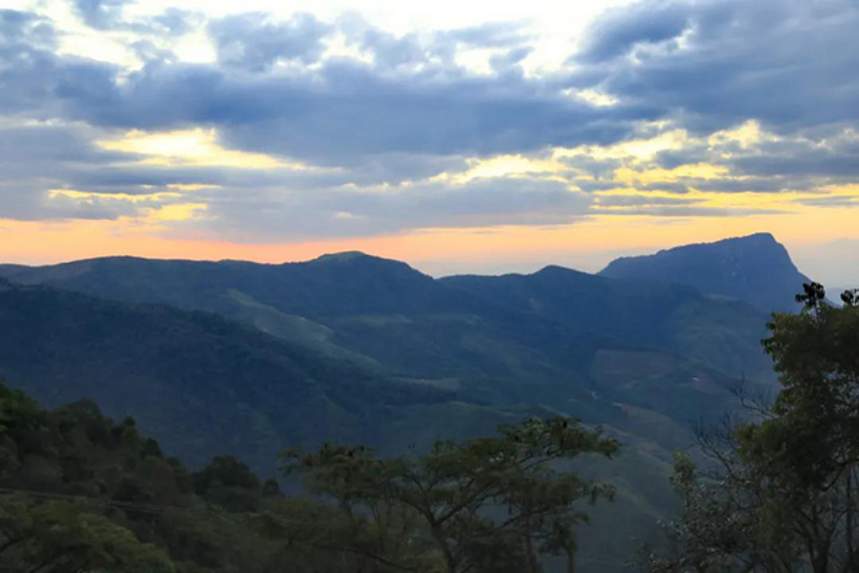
<point x="36" y="158"/>
<point x="356" y="112"/>
<point x="35" y="81"/>
<point x="24" y="147"/>
<point x="48" y="156"/>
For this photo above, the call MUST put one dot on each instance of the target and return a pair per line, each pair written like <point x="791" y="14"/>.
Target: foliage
<point x="779" y="493"/>
<point x="61" y="536"/>
<point x="490" y="504"/>
<point x="81" y="493"/>
<point x="201" y="384"/>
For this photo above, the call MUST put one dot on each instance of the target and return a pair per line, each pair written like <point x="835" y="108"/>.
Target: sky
<point x="459" y="136"/>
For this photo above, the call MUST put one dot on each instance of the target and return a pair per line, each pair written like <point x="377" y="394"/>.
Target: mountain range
<point x="246" y="358"/>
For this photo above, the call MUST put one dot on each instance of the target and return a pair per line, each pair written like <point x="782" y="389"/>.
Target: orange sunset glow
<point x="275" y="157"/>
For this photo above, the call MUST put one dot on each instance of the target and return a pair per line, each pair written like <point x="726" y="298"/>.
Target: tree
<point x="491" y="504"/>
<point x="779" y="493"/>
<point x="94" y="495"/>
<point x="43" y="536"/>
<point x="229" y="483"/>
<point x="313" y="537"/>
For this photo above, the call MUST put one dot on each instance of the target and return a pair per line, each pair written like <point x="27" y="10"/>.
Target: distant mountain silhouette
<point x="755" y="268"/>
<point x="383" y="312"/>
<point x="332" y="284"/>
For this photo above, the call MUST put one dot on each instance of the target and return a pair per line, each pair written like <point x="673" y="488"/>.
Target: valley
<point x="246" y="359"/>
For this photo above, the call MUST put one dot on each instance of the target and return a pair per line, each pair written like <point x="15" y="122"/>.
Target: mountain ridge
<point x="388" y="312"/>
<point x="754" y="268"/>
<point x="730" y="263"/>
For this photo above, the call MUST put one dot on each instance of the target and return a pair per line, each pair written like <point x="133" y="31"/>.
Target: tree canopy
<point x="778" y="493"/>
<point x="491" y="504"/>
<point x="81" y="493"/>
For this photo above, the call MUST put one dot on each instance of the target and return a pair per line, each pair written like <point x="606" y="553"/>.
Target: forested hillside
<point x="383" y="312"/>
<point x="196" y="381"/>
<point x="246" y="359"/>
<point x="81" y="493"/>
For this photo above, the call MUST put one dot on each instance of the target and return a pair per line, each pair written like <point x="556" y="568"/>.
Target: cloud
<point x="101" y="14"/>
<point x="491" y="34"/>
<point x="339" y="107"/>
<point x="830" y="201"/>
<point x="23" y="29"/>
<point x="833" y="157"/>
<point x="758" y="161"/>
<point x="251" y="214"/>
<point x="109" y="15"/>
<point x="642" y="201"/>
<point x="327" y="109"/>
<point x="253" y="42"/>
<point x="713" y="64"/>
<point x="344" y="109"/>
<point x="436" y="50"/>
<point x="26" y="45"/>
<point x="35" y="159"/>
<point x="682" y="211"/>
<point x="621" y="31"/>
<point x="663" y="97"/>
<point x="59" y="172"/>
